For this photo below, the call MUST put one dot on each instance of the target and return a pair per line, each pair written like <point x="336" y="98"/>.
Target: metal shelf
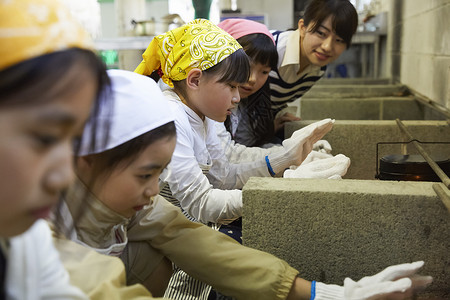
<point x="368" y="38"/>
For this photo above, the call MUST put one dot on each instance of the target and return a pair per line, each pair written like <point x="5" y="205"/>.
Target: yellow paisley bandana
<point x="30" y="28"/>
<point x="197" y="44"/>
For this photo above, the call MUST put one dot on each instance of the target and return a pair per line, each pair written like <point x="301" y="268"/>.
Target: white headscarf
<point x="139" y="106"/>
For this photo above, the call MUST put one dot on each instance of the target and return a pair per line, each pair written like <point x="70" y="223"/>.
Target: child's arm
<point x="246" y="273"/>
<point x="212" y="256"/>
<point x="237" y="153"/>
<point x="187" y="183"/>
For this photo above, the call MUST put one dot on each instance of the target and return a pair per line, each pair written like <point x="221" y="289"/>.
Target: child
<point x="323" y="33"/>
<point x="205" y="90"/>
<point x="251" y="123"/>
<point x="48" y="82"/>
<point x="124" y="216"/>
<point x="205" y="82"/>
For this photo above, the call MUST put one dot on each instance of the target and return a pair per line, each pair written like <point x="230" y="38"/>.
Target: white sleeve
<point x="226" y="173"/>
<point x="237" y="153"/>
<point x="33" y="257"/>
<point x="192" y="189"/>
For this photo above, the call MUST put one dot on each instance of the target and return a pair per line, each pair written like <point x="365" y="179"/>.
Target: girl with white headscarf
<point x="117" y="189"/>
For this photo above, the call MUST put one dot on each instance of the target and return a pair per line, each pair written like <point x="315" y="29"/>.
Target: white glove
<point x="322" y="146"/>
<point x="299" y="145"/>
<point x="313" y="156"/>
<point x="328" y="168"/>
<point x="398" y="280"/>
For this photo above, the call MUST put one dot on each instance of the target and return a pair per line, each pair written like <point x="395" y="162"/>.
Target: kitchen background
<point x="406" y="41"/>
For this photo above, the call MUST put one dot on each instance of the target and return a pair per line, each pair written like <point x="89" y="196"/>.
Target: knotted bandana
<point x="30" y="28"/>
<point x="197" y="44"/>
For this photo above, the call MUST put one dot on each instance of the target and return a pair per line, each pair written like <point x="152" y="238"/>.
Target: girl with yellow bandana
<point x="204" y="67"/>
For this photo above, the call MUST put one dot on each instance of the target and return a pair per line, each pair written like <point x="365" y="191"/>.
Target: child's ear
<point x="193" y="78"/>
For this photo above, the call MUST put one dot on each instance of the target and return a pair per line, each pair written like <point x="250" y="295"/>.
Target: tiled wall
<point x="419" y="43"/>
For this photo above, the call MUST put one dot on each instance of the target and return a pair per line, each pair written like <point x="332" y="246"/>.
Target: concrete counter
<point x="357" y="139"/>
<point x="330" y="229"/>
<point x="369" y="108"/>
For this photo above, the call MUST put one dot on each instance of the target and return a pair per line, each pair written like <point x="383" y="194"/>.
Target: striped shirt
<point x="286" y="85"/>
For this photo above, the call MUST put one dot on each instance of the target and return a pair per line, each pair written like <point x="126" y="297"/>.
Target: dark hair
<point x="234" y="68"/>
<point x="40" y="78"/>
<point x="23" y="82"/>
<point x="260" y="49"/>
<point x="344" y="17"/>
<point x="126" y="153"/>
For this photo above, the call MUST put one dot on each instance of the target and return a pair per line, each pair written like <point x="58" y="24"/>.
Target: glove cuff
<point x="279" y="161"/>
<point x="329" y="291"/>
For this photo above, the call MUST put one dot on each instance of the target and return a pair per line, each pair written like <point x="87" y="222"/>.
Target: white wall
<point x="109" y="26"/>
<point x="153" y="9"/>
<point x="280" y="12"/>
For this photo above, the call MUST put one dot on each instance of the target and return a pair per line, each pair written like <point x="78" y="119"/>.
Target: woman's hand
<point x="278" y="123"/>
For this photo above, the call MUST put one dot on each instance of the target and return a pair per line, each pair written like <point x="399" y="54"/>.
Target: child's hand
<point x="394" y="282"/>
<point x="299" y="145"/>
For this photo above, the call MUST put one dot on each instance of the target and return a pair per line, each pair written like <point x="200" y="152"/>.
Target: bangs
<point x="234" y="68"/>
<point x="345" y="23"/>
<point x="260" y="49"/>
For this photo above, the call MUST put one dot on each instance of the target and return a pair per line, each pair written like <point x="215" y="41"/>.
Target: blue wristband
<point x="313" y="290"/>
<point x="272" y="173"/>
